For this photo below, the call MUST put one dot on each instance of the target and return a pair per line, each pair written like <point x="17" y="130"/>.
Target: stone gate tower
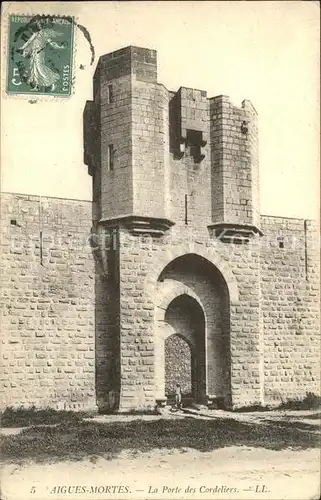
<point x="175" y="192"/>
<point x="176" y="222"/>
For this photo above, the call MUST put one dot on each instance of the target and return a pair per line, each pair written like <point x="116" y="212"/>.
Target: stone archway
<point x="194" y="277"/>
<point x="168" y="292"/>
<point x="185" y="349"/>
<point x="164" y="259"/>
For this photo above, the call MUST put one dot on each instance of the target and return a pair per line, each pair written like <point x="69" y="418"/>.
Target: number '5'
<point x="14" y="79"/>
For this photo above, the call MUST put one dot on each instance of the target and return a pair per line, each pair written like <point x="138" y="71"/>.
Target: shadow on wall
<point x="78" y="440"/>
<point x="107" y="349"/>
<point x="309" y="402"/>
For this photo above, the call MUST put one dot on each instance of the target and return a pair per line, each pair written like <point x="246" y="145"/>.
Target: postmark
<point x="40" y="55"/>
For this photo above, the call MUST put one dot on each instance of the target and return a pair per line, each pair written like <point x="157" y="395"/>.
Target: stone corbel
<point x="101" y="241"/>
<point x="201" y="156"/>
<point x="182" y="147"/>
<point x="234" y="232"/>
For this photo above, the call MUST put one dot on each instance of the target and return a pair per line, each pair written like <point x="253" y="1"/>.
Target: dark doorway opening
<point x="185" y="350"/>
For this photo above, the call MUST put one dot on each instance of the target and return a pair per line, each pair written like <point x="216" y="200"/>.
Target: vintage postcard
<point x="160" y="250"/>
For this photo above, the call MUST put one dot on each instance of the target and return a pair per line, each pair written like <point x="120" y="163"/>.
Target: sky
<point x="267" y="52"/>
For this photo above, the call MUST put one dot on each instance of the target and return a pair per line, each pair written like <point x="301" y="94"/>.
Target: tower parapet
<point x="129" y="119"/>
<point x="160" y="158"/>
<point x="235" y="174"/>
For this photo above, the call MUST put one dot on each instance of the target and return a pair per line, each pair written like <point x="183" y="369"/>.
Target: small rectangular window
<point x="110" y="94"/>
<point x="281" y="242"/>
<point x="110" y="157"/>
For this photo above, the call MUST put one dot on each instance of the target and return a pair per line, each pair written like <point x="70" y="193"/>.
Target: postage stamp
<point x="40" y="55"/>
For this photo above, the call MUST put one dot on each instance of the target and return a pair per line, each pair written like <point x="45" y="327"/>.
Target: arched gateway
<point x="192" y="331"/>
<point x="185" y="348"/>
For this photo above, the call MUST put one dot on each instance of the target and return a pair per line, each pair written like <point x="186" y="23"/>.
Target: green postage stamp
<point x="40" y="55"/>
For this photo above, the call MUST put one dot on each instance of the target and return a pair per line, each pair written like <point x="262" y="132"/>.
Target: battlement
<point x="225" y="99"/>
<point x="177" y="156"/>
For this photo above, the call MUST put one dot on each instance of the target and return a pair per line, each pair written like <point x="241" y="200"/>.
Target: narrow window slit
<point x="110" y="94"/>
<point x="111" y="157"/>
<point x="40" y="248"/>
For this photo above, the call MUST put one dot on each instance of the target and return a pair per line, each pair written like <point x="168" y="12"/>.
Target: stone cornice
<point x="138" y="224"/>
<point x="229" y="232"/>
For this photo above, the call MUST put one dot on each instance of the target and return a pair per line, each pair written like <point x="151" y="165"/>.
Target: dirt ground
<point x="239" y="472"/>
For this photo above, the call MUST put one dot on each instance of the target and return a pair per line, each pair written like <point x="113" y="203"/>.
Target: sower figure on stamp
<point x="41" y="75"/>
<point x="178" y="396"/>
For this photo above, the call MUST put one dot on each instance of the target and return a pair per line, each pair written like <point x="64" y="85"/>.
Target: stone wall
<point x="47" y="302"/>
<point x="234" y="150"/>
<point x="265" y="286"/>
<point x="290" y="284"/>
<point x="149" y="135"/>
<point x="141" y="293"/>
<point x="74" y="333"/>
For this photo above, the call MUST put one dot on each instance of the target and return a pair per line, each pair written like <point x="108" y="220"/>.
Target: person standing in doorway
<point x="178" y="396"/>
